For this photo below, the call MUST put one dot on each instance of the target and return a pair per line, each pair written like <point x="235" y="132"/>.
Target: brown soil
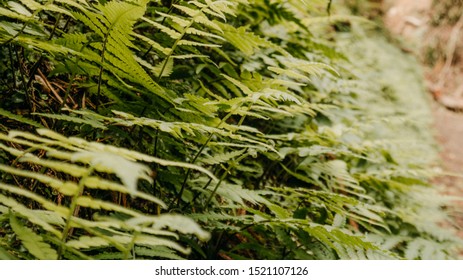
<point x="439" y="44"/>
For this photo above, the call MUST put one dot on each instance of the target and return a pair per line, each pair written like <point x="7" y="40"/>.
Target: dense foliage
<point x="211" y="129"/>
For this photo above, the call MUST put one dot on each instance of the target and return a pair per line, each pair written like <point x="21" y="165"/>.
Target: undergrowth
<point x="211" y="129"/>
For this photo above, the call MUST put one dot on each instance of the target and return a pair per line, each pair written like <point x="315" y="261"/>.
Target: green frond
<point x="221" y="158"/>
<point x="148" y="241"/>
<point x="68" y="118"/>
<point x="289" y="73"/>
<point x="33" y="242"/>
<point x="5" y="255"/>
<point x="176" y="19"/>
<point x="31" y="215"/>
<point x="129" y="172"/>
<point x="247" y="42"/>
<point x="19" y="118"/>
<point x="67" y="189"/>
<point x="197" y="44"/>
<point x="156" y="252"/>
<point x="171" y="32"/>
<point x="17" y="11"/>
<point x="162" y="69"/>
<point x="174" y="222"/>
<point x="49" y="6"/>
<point x="213" y="129"/>
<point x="155" y="45"/>
<point x="213" y="25"/>
<point x="21" y="209"/>
<point x="87" y="242"/>
<point x="421" y="248"/>
<point x="194" y="31"/>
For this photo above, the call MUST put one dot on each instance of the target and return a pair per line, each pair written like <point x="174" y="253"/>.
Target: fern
<point x="211" y="129"/>
<point x="19" y="118"/>
<point x="140" y="229"/>
<point x="62" y="117"/>
<point x="32" y="242"/>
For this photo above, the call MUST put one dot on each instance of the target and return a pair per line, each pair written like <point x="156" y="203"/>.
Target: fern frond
<point x="289" y="73"/>
<point x="93" y="182"/>
<point x="173" y="222"/>
<point x="21" y="209"/>
<point x="176" y="19"/>
<point x="79" y="144"/>
<point x="93" y="123"/>
<point x="156" y="252"/>
<point x="196" y="44"/>
<point x="33" y="242"/>
<point x="31" y="216"/>
<point x="19" y="118"/>
<point x="129" y="172"/>
<point x="171" y="32"/>
<point x="18" y="8"/>
<point x="220" y="158"/>
<point x="247" y="42"/>
<point x="65" y="188"/>
<point x="163" y="69"/>
<point x="155" y="45"/>
<point x="194" y="31"/>
<point x="87" y="242"/>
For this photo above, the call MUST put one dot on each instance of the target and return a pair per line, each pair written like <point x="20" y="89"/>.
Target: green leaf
<point x="173" y="222"/>
<point x="19" y="118"/>
<point x="33" y="242"/>
<point x="5" y="255"/>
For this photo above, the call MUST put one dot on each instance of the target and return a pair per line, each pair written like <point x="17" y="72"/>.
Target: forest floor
<point x="438" y="43"/>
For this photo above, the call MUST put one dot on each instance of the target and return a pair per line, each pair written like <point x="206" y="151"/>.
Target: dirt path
<point x="412" y="21"/>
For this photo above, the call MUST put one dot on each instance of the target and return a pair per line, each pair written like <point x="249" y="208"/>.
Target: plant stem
<point x="13" y="70"/>
<point x="179" y="196"/>
<point x="71" y="213"/>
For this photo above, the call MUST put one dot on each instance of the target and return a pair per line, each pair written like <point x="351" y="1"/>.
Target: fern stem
<point x="73" y="77"/>
<point x="24" y="84"/>
<point x="197" y="195"/>
<point x="171" y="8"/>
<point x="32" y="72"/>
<point x="68" y="91"/>
<point x="22" y="28"/>
<point x="226" y="171"/>
<point x="179" y="196"/>
<point x="13" y="70"/>
<point x="224" y="119"/>
<point x="174" y="46"/>
<point x="328" y="7"/>
<point x="25" y="25"/>
<point x="36" y="65"/>
<point x="224" y="174"/>
<point x="71" y="213"/>
<point x="100" y="74"/>
<point x="202" y="148"/>
<point x="55" y="26"/>
<point x="131" y="247"/>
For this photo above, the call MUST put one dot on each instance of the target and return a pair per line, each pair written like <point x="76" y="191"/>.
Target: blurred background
<point x="433" y="31"/>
